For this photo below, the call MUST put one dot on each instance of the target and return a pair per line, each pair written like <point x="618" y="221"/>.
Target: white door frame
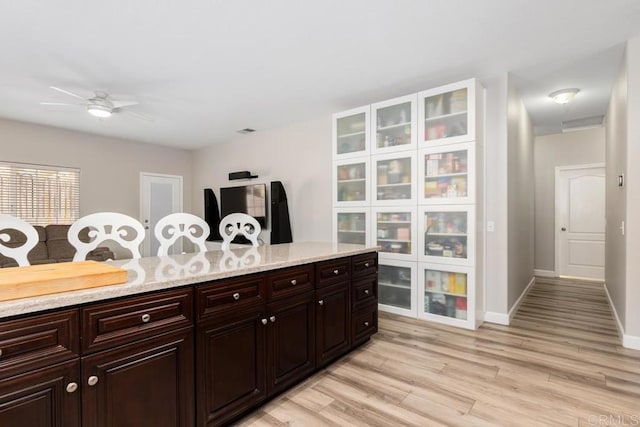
<point x="146" y="244"/>
<point x="556" y="219"/>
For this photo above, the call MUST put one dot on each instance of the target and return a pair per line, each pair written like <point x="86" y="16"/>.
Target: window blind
<point x="40" y="194"/>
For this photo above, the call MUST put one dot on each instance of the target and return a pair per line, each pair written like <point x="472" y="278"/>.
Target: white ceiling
<point x="206" y="68"/>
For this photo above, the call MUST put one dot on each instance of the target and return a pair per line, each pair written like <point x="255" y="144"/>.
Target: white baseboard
<point x="628" y="341"/>
<point x="504" y="318"/>
<point x="499" y="318"/>
<point x="544" y="273"/>
<point x="524" y="293"/>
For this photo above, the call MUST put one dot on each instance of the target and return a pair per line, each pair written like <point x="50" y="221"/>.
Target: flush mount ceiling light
<point x="563" y="96"/>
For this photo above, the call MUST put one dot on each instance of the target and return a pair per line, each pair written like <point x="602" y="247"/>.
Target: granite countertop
<point x="172" y="271"/>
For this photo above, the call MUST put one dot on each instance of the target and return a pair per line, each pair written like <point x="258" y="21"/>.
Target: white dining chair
<point x="18" y="253"/>
<point x="239" y="223"/>
<point x="174" y="226"/>
<point x="103" y="226"/>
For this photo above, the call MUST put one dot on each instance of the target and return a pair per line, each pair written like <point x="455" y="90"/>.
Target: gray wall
<point x="109" y="167"/>
<point x="299" y="155"/>
<point x="616" y="198"/>
<point x="520" y="193"/>
<point x="564" y="149"/>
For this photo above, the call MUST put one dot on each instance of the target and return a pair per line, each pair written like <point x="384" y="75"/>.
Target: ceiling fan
<point x="100" y="105"/>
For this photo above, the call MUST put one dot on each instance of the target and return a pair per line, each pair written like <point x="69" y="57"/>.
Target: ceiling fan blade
<point x="120" y="104"/>
<point x="67" y="92"/>
<point x="134" y="114"/>
<point x="60" y="103"/>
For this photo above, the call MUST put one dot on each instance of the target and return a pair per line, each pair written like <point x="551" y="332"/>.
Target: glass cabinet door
<point x="351" y="133"/>
<point x="446" y="114"/>
<point x="447" y="174"/>
<point x="397" y="286"/>
<point x="351" y="225"/>
<point x="393" y="179"/>
<point x="446" y="235"/>
<point x="351" y="186"/>
<point x="394" y="124"/>
<point x="395" y="232"/>
<point x="445" y="292"/>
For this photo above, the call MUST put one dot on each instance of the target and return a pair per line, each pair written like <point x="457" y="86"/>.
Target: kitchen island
<point x="191" y="339"/>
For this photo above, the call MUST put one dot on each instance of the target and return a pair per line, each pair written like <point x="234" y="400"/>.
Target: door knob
<point x="564" y="229"/>
<point x="273" y="319"/>
<point x="264" y="321"/>
<point x="93" y="380"/>
<point x="72" y="387"/>
<point x="321" y="302"/>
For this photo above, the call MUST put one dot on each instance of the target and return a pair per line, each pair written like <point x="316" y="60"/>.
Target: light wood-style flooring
<point x="560" y="362"/>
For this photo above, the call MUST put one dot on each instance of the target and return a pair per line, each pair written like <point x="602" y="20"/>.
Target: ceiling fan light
<point x="564" y="96"/>
<point x="99" y="111"/>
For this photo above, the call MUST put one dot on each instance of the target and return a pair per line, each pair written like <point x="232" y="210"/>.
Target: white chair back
<point x="239" y="223"/>
<point x="19" y="253"/>
<point x="103" y="226"/>
<point x="170" y="228"/>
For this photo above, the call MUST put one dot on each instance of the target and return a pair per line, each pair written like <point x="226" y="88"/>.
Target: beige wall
<point x="109" y="167"/>
<point x="520" y="193"/>
<point x="299" y="155"/>
<point x="632" y="326"/>
<point x="496" y="283"/>
<point x="564" y="149"/>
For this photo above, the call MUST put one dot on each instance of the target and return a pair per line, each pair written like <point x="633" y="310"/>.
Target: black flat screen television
<point x="247" y="199"/>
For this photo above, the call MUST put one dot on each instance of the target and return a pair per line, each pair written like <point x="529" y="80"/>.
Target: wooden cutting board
<point x="36" y="280"/>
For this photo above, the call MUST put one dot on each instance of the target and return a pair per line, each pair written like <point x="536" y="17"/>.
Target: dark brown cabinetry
<point x="139" y="361"/>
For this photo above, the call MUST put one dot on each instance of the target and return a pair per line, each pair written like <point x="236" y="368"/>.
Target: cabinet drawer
<point x="289" y="281"/>
<point x="36" y="341"/>
<point x="329" y="272"/>
<point x="365" y="264"/>
<point x="364" y="291"/>
<point x="364" y="323"/>
<point x="119" y="322"/>
<point x="226" y="296"/>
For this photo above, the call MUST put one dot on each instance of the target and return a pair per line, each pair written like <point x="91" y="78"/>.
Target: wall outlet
<point x="491" y="226"/>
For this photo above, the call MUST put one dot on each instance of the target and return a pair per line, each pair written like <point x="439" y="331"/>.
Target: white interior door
<point x="580" y="221"/>
<point x="160" y="195"/>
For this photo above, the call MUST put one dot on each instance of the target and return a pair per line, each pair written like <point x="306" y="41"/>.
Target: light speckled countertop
<point x="158" y="273"/>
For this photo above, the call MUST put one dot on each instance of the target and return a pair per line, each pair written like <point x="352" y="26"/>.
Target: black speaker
<point x="212" y="214"/>
<point x="280" y="224"/>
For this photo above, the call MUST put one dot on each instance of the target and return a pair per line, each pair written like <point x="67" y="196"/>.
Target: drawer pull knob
<point x="71" y="387"/>
<point x="236" y="296"/>
<point x="273" y="319"/>
<point x="366" y="323"/>
<point x="264" y="321"/>
<point x="366" y="264"/>
<point x="366" y="291"/>
<point x="335" y="272"/>
<point x="93" y="380"/>
<point x="294" y="282"/>
<point x="321" y="302"/>
<point x="146" y="318"/>
<point x="0" y="352"/>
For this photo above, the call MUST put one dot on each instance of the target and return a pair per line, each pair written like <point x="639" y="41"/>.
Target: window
<point x="40" y="194"/>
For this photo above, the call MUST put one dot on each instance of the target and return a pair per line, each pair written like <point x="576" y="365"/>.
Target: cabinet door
<point x="446" y="294"/>
<point x="48" y="397"/>
<point x="351" y="225"/>
<point x="447" y="114"/>
<point x="351" y="133"/>
<point x="447" y="175"/>
<point x="351" y="182"/>
<point x="394" y="125"/>
<point x="394" y="230"/>
<point x="393" y="180"/>
<point x="397" y="287"/>
<point x="447" y="235"/>
<point x="146" y="383"/>
<point x="332" y="322"/>
<point x="231" y="366"/>
<point x="290" y="341"/>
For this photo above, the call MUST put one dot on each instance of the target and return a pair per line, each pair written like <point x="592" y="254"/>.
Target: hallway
<point x="559" y="363"/>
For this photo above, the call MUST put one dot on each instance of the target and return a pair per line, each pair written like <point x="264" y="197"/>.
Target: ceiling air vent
<point x="246" y="131"/>
<point x="581" y="124"/>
